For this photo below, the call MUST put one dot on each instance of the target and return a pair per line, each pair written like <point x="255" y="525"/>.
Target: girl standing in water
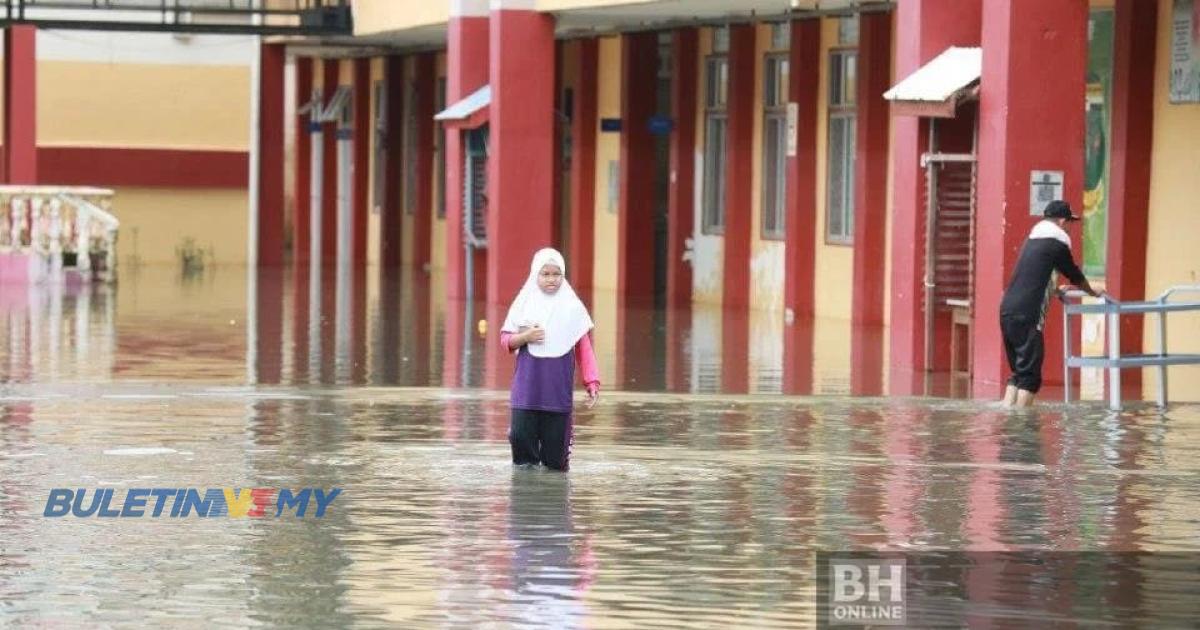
<point x="547" y="327"/>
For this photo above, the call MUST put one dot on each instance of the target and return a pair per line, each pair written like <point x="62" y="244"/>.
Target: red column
<point x="557" y="183"/>
<point x="1134" y="39"/>
<point x="1031" y="118"/>
<point x="928" y="28"/>
<point x="20" y="104"/>
<point x="391" y="220"/>
<point x="363" y="125"/>
<point x="870" y="166"/>
<point x="424" y="82"/>
<point x="581" y="252"/>
<point x="270" y="154"/>
<point x="520" y="162"/>
<point x="466" y="71"/>
<point x="269" y="320"/>
<point x="329" y="85"/>
<point x="739" y="158"/>
<point x="301" y="192"/>
<point x="680" y="190"/>
<point x="635" y="261"/>
<point x="801" y="221"/>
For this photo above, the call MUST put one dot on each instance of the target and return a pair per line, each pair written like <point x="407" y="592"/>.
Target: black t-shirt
<point x="1029" y="289"/>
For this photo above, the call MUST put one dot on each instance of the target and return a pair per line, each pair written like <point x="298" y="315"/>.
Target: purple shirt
<point x="544" y="384"/>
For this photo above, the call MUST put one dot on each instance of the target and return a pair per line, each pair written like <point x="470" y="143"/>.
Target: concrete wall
<point x="1171" y="257"/>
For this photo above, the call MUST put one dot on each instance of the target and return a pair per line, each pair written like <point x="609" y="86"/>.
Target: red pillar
<point x="466" y="71"/>
<point x="20" y="104"/>
<point x="329" y="85"/>
<point x="302" y="192"/>
<point x="801" y="221"/>
<point x="581" y="252"/>
<point x="520" y="162"/>
<point x="739" y="159"/>
<point x="928" y="28"/>
<point x="1031" y="118"/>
<point x="269" y="320"/>
<point x="870" y="166"/>
<point x="270" y="155"/>
<point x="635" y="262"/>
<point x="424" y="82"/>
<point x="391" y="219"/>
<point x="680" y="190"/>
<point x="363" y="126"/>
<point x="1134" y="39"/>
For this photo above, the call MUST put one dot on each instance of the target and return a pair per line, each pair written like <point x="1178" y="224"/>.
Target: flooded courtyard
<point x="706" y="489"/>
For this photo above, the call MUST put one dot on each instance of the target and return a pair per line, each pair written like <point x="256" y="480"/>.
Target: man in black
<point x="1023" y="309"/>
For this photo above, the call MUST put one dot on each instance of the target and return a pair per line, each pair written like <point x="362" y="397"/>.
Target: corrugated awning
<point x="936" y="89"/>
<point x="469" y="112"/>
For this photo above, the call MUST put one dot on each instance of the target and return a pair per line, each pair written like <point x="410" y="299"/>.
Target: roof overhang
<point x="469" y="113"/>
<point x="936" y="88"/>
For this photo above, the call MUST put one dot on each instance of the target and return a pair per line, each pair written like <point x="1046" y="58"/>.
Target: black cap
<point x="1059" y="209"/>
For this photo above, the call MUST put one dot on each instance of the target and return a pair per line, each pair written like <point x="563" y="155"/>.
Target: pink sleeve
<point x="586" y="357"/>
<point x="505" y="337"/>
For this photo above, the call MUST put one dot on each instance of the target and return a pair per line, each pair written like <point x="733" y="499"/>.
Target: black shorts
<point x="541" y="437"/>
<point x="1025" y="349"/>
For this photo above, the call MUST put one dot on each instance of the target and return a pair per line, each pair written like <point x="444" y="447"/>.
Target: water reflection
<point x="393" y="327"/>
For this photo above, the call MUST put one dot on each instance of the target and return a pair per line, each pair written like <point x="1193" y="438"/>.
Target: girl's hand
<point x="593" y="394"/>
<point x="534" y="335"/>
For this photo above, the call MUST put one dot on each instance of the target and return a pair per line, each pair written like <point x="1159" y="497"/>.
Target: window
<point x="839" y="180"/>
<point x="781" y="35"/>
<point x="716" y="91"/>
<point x="775" y="141"/>
<point x="379" y="170"/>
<point x="439" y="156"/>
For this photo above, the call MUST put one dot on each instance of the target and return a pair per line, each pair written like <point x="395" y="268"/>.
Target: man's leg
<point x="1029" y="367"/>
<point x="1010" y="395"/>
<point x="557" y="436"/>
<point x="1010" y="328"/>
<point x="523" y="436"/>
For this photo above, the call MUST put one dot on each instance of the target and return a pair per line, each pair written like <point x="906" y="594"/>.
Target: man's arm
<point x="1065" y="265"/>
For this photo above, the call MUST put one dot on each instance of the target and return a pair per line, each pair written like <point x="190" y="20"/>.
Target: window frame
<point x="776" y="65"/>
<point x="716" y="102"/>
<point x="841" y="105"/>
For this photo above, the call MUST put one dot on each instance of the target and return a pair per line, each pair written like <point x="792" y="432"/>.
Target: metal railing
<point x="53" y="224"/>
<point x="1114" y="361"/>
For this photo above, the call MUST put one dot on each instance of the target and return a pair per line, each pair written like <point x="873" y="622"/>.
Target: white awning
<point x="936" y="88"/>
<point x="465" y="108"/>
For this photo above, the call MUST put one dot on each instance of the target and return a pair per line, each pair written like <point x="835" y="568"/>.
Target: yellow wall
<point x="154" y="222"/>
<point x="835" y="263"/>
<point x="608" y="148"/>
<point x="143" y="105"/>
<point x="378" y="16"/>
<point x="708" y="252"/>
<point x="766" y="255"/>
<point x="373" y="203"/>
<point x="437" y="252"/>
<point x="1171" y="256"/>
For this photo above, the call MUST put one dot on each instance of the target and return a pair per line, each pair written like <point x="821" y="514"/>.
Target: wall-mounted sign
<point x="660" y="125"/>
<point x="1044" y="187"/>
<point x="1185" y="52"/>
<point x="610" y="125"/>
<point x="793" y="122"/>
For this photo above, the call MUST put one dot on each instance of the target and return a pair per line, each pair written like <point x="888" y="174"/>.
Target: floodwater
<point x="689" y="503"/>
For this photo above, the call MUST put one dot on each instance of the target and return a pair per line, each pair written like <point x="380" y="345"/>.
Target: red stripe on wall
<point x="580" y="254"/>
<point x="362" y="158"/>
<point x="167" y="168"/>
<point x="635" y="264"/>
<point x="271" y="155"/>
<point x="739" y="160"/>
<point x="20" y="105"/>
<point x="302" y="165"/>
<point x="680" y="221"/>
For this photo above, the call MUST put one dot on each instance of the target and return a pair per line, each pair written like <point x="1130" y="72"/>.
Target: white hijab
<point x="562" y="315"/>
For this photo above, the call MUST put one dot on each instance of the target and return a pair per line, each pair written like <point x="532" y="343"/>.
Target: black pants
<point x="541" y="437"/>
<point x="1025" y="350"/>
